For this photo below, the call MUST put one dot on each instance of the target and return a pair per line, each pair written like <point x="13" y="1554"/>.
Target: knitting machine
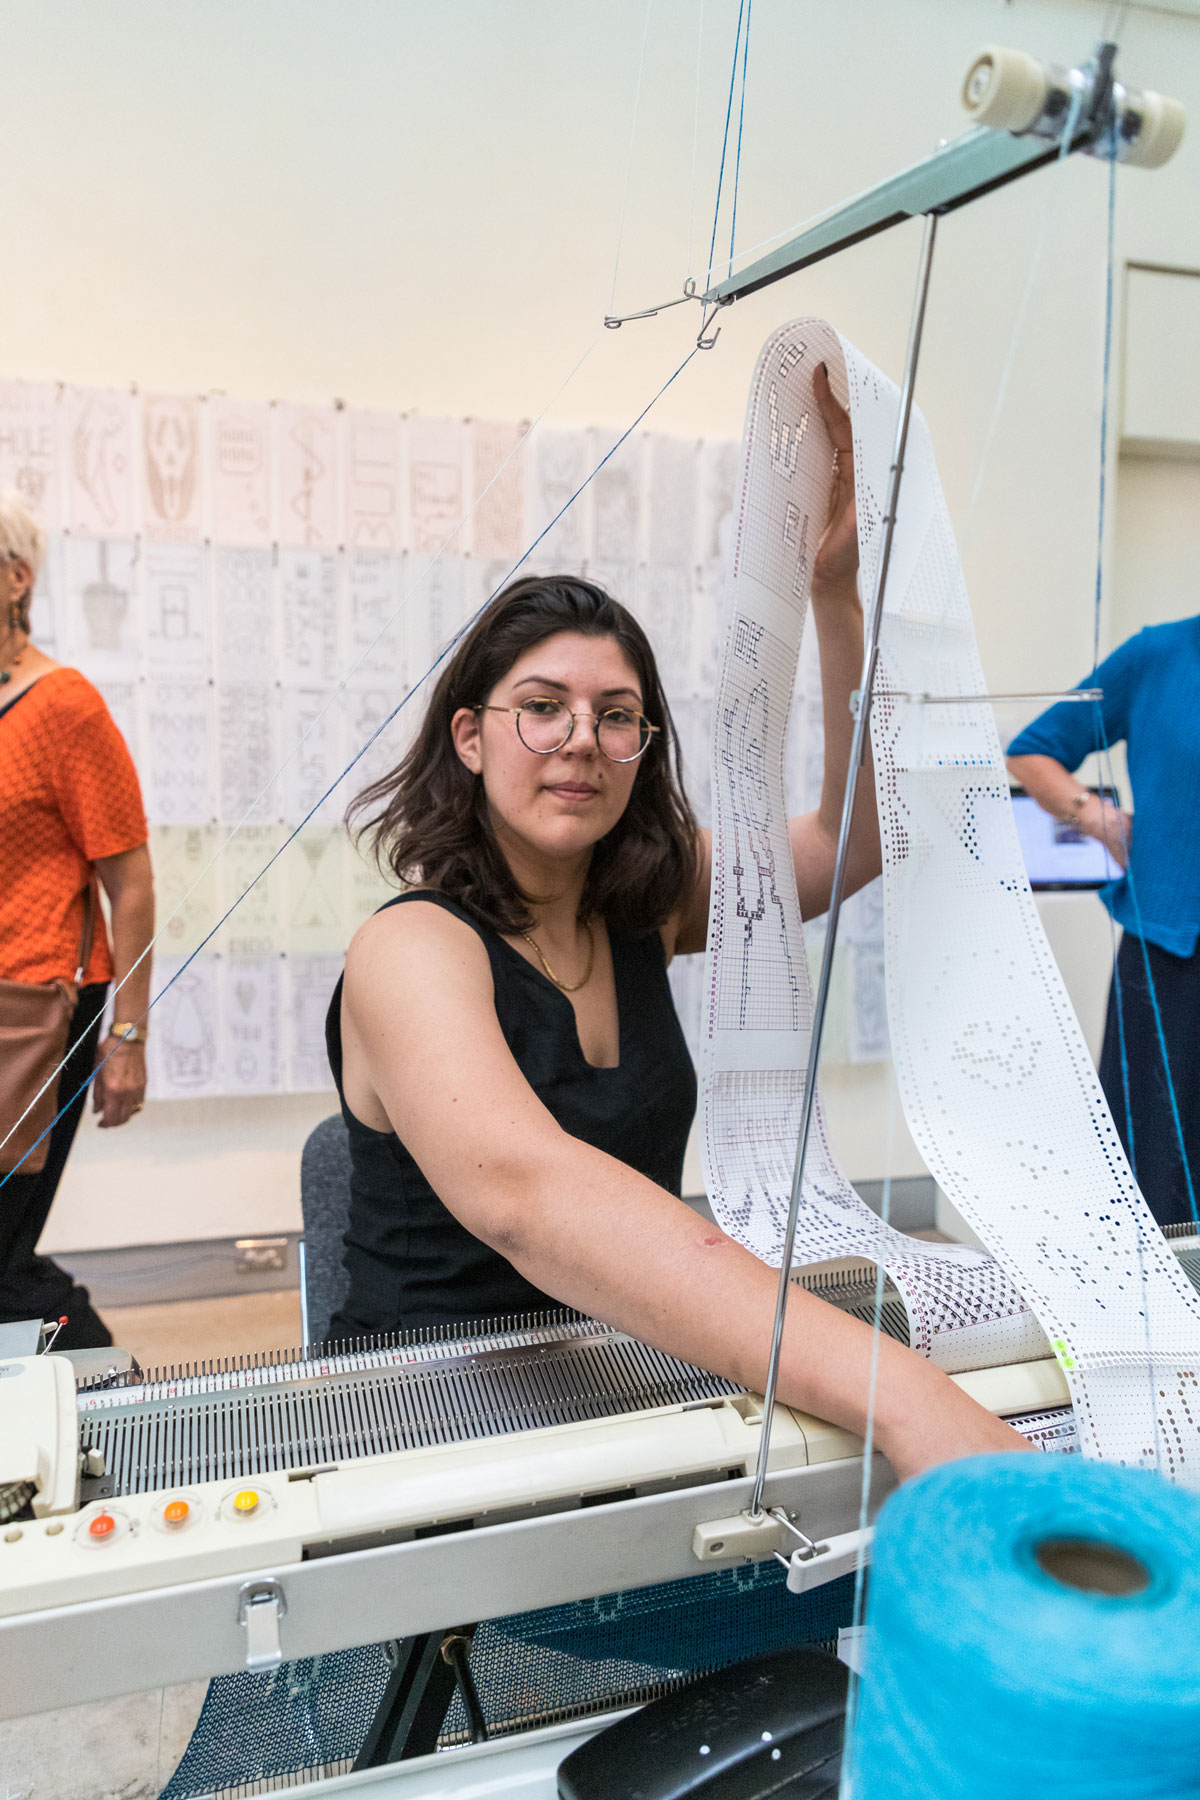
<point x="188" y="1523"/>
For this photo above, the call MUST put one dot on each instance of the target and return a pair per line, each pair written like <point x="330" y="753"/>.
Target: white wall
<point x="1156" y="565"/>
<point x="418" y="207"/>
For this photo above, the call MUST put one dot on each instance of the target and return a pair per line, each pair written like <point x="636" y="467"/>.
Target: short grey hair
<point x="20" y="534"/>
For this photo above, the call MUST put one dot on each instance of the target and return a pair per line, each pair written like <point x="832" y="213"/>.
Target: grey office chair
<point x="325" y="1204"/>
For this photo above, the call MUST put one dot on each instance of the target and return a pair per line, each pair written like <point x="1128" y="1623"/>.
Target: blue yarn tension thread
<point x="988" y="1679"/>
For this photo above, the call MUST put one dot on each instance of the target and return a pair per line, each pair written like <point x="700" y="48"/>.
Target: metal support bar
<point x="456" y="1649"/>
<point x="858" y="744"/>
<point x="982" y="699"/>
<point x="960" y="171"/>
<point x="417" y="1698"/>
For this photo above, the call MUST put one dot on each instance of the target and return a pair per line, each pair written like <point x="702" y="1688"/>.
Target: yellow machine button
<point x="246" y="1502"/>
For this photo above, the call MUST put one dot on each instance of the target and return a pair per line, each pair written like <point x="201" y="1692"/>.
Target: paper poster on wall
<point x="308" y="597"/>
<point x="104" y="624"/>
<point x="220" y="663"/>
<point x="718" y="479"/>
<point x="99" y="427"/>
<point x="312" y="744"/>
<point x="176" y="594"/>
<point x="663" y="602"/>
<point x="184" y="1048"/>
<point x="185" y="885"/>
<point x="48" y="613"/>
<point x="692" y="714"/>
<point x="672" y="469"/>
<point x="122" y="701"/>
<point x="382" y="739"/>
<point x="446" y="610"/>
<point x="172" y="468"/>
<point x="312" y="889"/>
<point x="248" y="880"/>
<point x="374" y="482"/>
<point x="559" y="467"/>
<point x="369" y="886"/>
<point x="310" y="984"/>
<point x="29" y="447"/>
<point x="248" y="754"/>
<point x="242" y="471"/>
<point x="251" y="1020"/>
<point x="617" y="494"/>
<point x="435" y="483"/>
<point x="309" y="482"/>
<point x="375" y="582"/>
<point x="177" y="776"/>
<point x="708" y="588"/>
<point x="244" y="615"/>
<point x="497" y="489"/>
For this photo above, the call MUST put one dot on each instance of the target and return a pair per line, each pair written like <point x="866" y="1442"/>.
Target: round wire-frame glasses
<point x="545" y="724"/>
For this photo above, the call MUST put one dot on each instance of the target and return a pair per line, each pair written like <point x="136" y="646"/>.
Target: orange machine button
<point x="246" y="1501"/>
<point x="103" y="1525"/>
<point x="176" y="1512"/>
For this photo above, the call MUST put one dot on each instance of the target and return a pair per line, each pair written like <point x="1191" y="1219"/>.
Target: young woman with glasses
<point x="513" y="1076"/>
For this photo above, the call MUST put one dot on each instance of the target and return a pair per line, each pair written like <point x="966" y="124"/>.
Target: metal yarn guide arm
<point x="1026" y="114"/>
<point x="958" y="172"/>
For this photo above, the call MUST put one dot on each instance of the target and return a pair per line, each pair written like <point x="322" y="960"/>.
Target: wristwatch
<point x="128" y="1032"/>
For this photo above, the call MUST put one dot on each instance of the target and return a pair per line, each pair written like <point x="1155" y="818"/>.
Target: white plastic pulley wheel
<point x="1162" y="128"/>
<point x="1005" y="89"/>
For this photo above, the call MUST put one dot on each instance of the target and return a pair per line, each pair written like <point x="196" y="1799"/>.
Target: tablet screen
<point x="1059" y="855"/>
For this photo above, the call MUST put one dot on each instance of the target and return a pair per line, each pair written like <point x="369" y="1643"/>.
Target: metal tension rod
<point x="858" y="744"/>
<point x="968" y="166"/>
<point x="989" y="699"/>
<point x="1027" y="114"/>
<point x="959" y="171"/>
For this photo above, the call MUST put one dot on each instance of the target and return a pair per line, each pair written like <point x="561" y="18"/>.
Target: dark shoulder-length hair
<point x="427" y="821"/>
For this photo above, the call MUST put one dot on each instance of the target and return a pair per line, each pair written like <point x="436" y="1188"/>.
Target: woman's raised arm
<point x="838" y="617"/>
<point x="418" y="1014"/>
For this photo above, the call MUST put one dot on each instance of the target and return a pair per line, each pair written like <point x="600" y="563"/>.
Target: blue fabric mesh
<point x="528" y="1667"/>
<point x="301" y="1715"/>
<point x="564" y="1658"/>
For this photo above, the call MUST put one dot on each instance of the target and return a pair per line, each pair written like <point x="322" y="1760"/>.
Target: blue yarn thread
<point x="1119" y="995"/>
<point x="986" y="1678"/>
<point x="361" y="752"/>
<point x="1152" y="991"/>
<point x="737" y="166"/>
<point x="1102" y="743"/>
<point x="712" y="246"/>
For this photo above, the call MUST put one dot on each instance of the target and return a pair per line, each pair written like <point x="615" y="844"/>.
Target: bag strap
<point x="88" y="933"/>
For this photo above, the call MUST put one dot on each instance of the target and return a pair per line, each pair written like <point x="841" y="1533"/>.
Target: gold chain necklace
<point x="564" y="986"/>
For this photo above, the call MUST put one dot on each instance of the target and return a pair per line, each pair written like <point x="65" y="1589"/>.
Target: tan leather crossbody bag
<point x="35" y="1020"/>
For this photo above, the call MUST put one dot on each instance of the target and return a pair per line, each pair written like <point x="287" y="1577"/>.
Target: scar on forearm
<point x="712" y="1240"/>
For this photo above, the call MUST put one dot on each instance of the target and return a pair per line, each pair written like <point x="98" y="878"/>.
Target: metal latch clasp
<point x="811" y="1565"/>
<point x="261" y="1605"/>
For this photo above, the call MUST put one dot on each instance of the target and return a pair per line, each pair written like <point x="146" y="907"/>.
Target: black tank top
<point x="409" y="1260"/>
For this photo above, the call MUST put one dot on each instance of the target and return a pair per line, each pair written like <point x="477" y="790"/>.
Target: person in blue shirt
<point x="1151" y="689"/>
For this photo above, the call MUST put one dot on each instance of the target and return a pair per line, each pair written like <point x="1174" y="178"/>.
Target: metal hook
<point x="614" y="321"/>
<point x="706" y="342"/>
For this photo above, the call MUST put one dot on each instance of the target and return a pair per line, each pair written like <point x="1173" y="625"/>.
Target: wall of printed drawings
<point x="253" y="587"/>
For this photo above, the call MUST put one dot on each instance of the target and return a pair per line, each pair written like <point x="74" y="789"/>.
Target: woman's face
<point x="562" y="804"/>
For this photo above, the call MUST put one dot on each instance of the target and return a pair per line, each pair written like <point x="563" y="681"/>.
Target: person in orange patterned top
<point x="71" y="815"/>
